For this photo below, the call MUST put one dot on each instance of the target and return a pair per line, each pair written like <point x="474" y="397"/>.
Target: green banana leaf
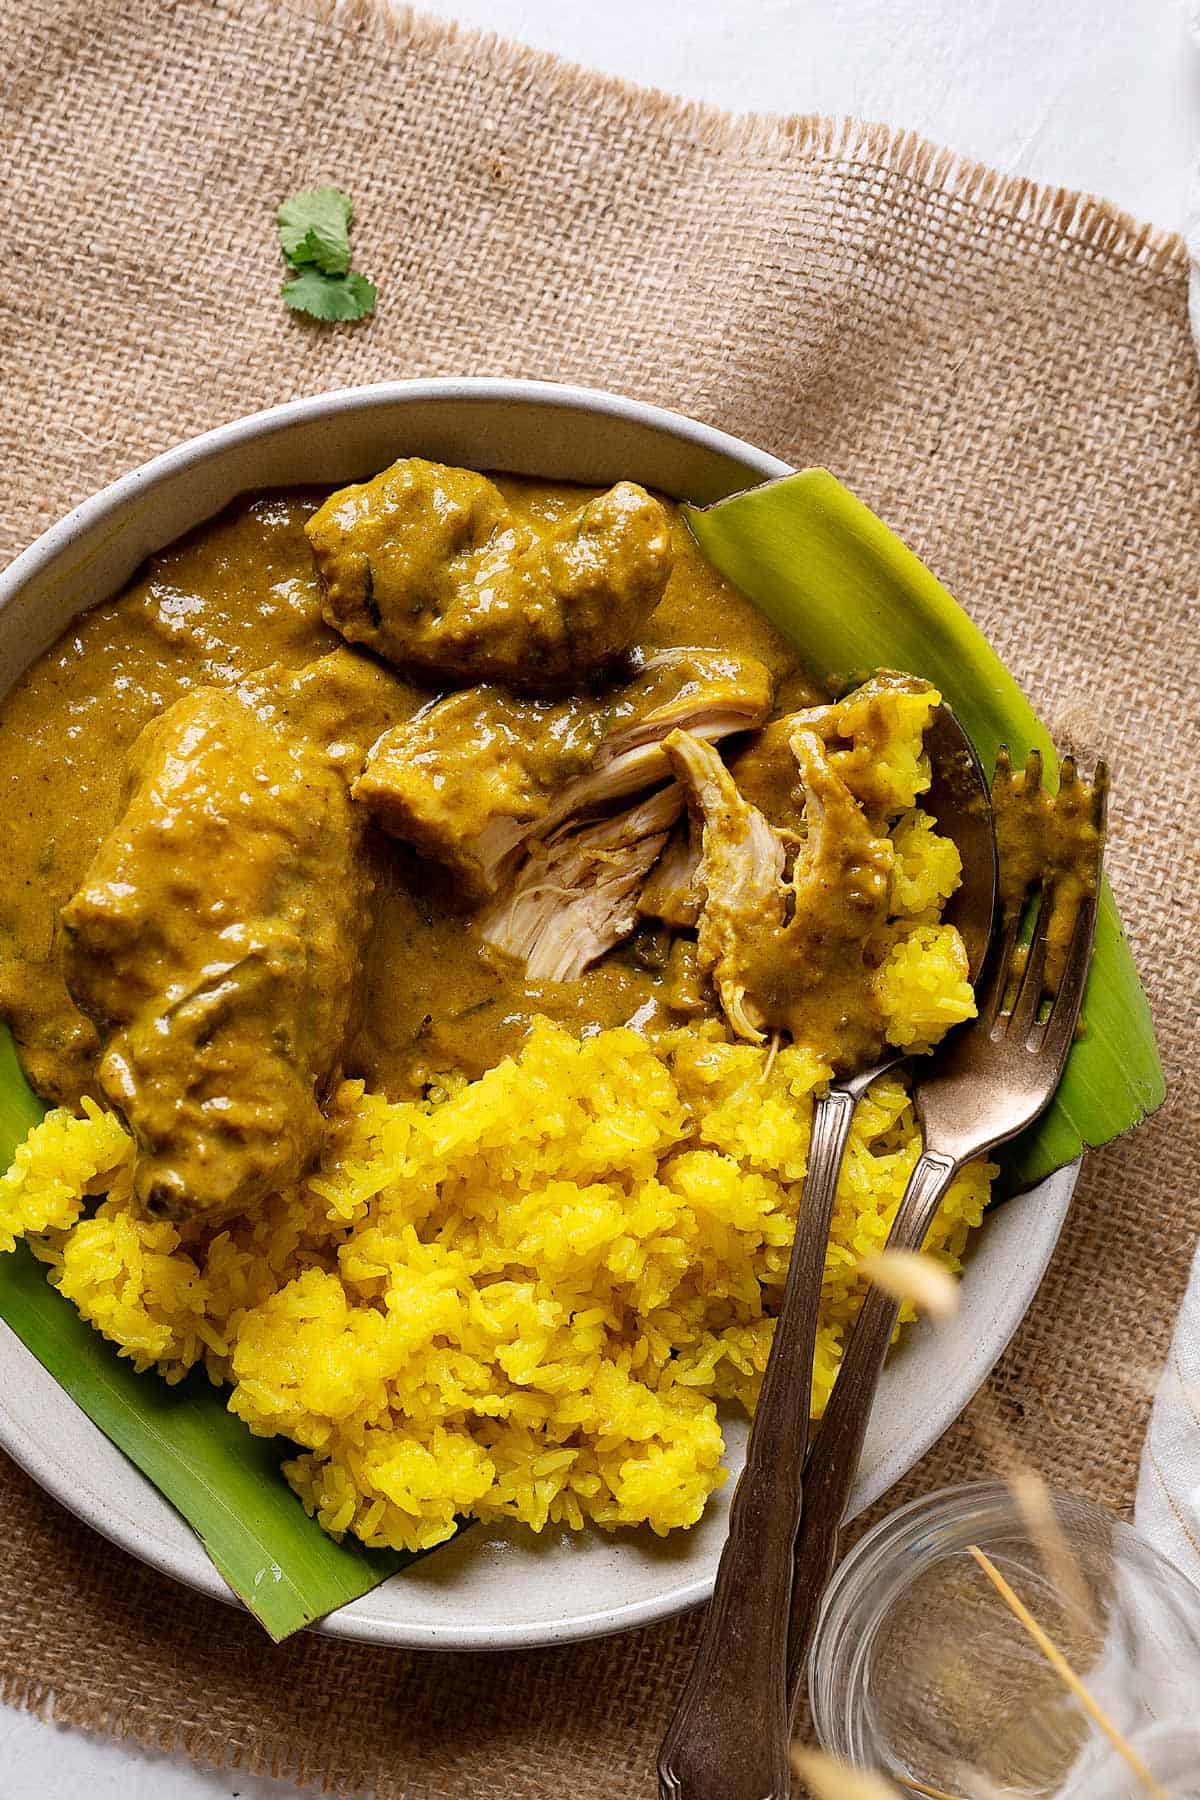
<point x="851" y="597"/>
<point x="224" y="1481"/>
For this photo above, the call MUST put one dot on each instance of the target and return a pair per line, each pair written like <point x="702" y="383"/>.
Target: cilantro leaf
<point x="330" y="297"/>
<point x="329" y="255"/>
<point x="314" y="228"/>
<point x="314" y="235"/>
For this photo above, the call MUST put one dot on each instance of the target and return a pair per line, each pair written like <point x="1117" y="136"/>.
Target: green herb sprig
<point x="314" y="236"/>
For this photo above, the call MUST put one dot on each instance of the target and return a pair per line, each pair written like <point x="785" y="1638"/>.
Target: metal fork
<point x="993" y="1079"/>
<point x="728" y="1739"/>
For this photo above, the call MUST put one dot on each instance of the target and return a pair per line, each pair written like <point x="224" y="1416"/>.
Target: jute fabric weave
<point x="1004" y="373"/>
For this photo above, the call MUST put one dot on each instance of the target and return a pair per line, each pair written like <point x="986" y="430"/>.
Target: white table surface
<point x="1096" y="94"/>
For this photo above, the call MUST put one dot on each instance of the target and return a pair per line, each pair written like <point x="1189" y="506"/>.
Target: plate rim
<point x="190" y="1564"/>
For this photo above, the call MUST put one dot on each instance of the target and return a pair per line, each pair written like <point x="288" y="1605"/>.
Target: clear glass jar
<point x="921" y="1671"/>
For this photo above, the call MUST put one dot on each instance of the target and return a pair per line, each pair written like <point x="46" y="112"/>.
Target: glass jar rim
<point x="889" y="1558"/>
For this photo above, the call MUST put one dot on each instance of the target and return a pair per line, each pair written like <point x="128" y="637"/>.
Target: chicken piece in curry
<point x="364" y="783"/>
<point x="483" y="772"/>
<point x="217" y="937"/>
<point x="433" y="569"/>
<point x="789" y="954"/>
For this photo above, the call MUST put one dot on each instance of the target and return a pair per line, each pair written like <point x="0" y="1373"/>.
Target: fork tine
<point x="1033" y="771"/>
<point x="1029" y="996"/>
<point x="1000" y="973"/>
<point x="1064" y="1014"/>
<point x="1002" y="777"/>
<point x="1100" y="797"/>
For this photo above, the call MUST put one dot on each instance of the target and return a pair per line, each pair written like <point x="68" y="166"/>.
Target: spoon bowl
<point x="958" y="800"/>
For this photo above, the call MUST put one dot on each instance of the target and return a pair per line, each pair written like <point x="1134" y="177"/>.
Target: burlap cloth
<point x="1004" y="373"/>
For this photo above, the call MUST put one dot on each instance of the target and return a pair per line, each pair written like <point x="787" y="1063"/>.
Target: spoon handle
<point x="833" y="1461"/>
<point x="728" y="1739"/>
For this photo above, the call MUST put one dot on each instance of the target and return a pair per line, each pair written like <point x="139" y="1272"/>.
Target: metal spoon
<point x="993" y="1081"/>
<point x="728" y="1739"/>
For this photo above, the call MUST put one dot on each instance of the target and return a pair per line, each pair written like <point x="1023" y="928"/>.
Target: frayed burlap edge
<point x="111" y="1719"/>
<point x="1090" y="229"/>
<point x="1093" y="226"/>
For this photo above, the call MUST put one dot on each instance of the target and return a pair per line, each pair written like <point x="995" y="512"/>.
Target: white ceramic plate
<point x="490" y="1589"/>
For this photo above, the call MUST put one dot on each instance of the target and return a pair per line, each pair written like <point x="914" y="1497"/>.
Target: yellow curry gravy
<point x="236" y="595"/>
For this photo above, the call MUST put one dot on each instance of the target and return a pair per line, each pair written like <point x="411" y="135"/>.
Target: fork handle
<point x="833" y="1461"/>
<point x="728" y="1739"/>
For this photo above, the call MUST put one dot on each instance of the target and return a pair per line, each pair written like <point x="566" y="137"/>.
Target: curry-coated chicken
<point x="479" y="775"/>
<point x="576" y="886"/>
<point x="216" y="938"/>
<point x="464" y="780"/>
<point x="430" y="567"/>
<point x="787" y="952"/>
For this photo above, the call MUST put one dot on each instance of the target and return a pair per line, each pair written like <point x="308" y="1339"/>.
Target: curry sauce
<point x="239" y="594"/>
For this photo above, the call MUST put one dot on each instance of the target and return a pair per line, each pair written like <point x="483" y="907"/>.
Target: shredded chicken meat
<point x="576" y="894"/>
<point x="788" y="953"/>
<point x="479" y="776"/>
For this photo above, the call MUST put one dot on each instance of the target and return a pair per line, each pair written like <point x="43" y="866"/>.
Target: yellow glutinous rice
<point x="54" y="1168"/>
<point x="524" y="1296"/>
<point x="521" y="1299"/>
